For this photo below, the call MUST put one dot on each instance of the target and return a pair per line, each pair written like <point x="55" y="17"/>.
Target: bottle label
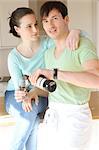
<point x="40" y="82"/>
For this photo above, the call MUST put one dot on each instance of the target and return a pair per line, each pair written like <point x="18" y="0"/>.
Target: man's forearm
<point x="82" y="79"/>
<point x="87" y="79"/>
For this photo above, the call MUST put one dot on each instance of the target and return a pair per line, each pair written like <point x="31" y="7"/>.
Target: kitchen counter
<point x="3" y="86"/>
<point x="94" y="104"/>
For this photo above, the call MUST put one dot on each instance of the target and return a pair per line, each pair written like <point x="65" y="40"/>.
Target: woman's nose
<point x="34" y="29"/>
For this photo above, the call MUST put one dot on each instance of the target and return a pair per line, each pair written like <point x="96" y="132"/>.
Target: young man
<point x="76" y="73"/>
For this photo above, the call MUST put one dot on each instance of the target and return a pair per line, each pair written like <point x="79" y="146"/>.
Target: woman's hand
<point x="20" y="95"/>
<point x="27" y="104"/>
<point x="26" y="98"/>
<point x="72" y="41"/>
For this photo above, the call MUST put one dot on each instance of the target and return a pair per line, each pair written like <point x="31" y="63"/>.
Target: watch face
<point x="55" y="74"/>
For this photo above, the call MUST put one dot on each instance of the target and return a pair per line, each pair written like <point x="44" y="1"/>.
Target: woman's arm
<point x="72" y="41"/>
<point x="15" y="70"/>
<point x="32" y="94"/>
<point x="27" y="97"/>
<point x="37" y="92"/>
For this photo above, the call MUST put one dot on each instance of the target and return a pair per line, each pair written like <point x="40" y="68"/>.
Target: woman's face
<point x="28" y="29"/>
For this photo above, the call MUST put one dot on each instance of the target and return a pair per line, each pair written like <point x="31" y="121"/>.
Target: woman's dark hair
<point x="50" y="5"/>
<point x="16" y="16"/>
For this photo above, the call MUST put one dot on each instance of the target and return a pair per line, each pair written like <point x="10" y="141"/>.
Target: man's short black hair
<point x="50" y="5"/>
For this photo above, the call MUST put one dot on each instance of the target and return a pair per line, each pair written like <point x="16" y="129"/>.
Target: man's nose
<point x="50" y="23"/>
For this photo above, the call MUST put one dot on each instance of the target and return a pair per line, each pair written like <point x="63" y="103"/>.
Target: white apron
<point x="67" y="127"/>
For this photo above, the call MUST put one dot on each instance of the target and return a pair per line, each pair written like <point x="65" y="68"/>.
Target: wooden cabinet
<point x="7" y="40"/>
<point x="2" y="103"/>
<point x="2" y="106"/>
<point x="94" y="104"/>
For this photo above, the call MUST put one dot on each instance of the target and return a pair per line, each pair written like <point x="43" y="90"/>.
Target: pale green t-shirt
<point x="70" y="61"/>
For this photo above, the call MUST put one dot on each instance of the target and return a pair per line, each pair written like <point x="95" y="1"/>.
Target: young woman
<point x="24" y="60"/>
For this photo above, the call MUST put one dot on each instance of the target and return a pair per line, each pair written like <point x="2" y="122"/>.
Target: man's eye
<point x="45" y="21"/>
<point x="55" y="18"/>
<point x="36" y="24"/>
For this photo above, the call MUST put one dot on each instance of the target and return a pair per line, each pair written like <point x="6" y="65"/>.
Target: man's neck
<point x="61" y="41"/>
<point x="60" y="46"/>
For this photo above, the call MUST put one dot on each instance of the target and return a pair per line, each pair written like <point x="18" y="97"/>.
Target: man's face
<point x="54" y="24"/>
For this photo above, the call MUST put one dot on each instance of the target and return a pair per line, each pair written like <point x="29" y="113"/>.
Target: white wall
<point x="3" y="62"/>
<point x="97" y="26"/>
<point x="80" y="13"/>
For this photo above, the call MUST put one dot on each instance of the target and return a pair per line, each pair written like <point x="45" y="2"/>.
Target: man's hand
<point x="46" y="72"/>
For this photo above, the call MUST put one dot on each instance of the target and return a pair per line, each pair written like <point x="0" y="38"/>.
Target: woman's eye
<point x="29" y="26"/>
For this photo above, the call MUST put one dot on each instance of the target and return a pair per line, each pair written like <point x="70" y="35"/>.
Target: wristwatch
<point x="55" y="72"/>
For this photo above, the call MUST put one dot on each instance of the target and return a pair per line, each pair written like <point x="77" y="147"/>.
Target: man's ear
<point x="66" y="19"/>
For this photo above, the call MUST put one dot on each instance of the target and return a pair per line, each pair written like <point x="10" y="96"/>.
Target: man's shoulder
<point x="84" y="41"/>
<point x="86" y="48"/>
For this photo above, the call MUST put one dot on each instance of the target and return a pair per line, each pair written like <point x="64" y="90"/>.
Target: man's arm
<point x="89" y="78"/>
